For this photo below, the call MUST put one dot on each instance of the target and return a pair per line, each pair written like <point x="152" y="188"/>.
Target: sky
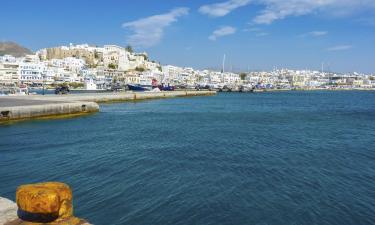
<point x="253" y="34"/>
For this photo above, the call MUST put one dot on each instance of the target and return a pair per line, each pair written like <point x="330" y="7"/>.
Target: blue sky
<point x="254" y="34"/>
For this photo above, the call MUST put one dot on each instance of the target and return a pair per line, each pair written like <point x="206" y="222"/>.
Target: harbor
<point x="213" y="112"/>
<point x="41" y="106"/>
<point x="206" y="160"/>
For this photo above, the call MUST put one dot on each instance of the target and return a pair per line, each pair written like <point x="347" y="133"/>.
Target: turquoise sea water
<point x="266" y="158"/>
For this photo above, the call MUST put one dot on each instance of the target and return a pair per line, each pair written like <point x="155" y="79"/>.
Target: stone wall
<point x="88" y="56"/>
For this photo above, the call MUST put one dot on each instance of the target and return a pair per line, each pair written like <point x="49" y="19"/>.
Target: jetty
<point x="48" y="106"/>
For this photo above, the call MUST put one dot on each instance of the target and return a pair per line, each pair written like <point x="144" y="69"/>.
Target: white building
<point x="8" y="59"/>
<point x="90" y="84"/>
<point x="70" y="63"/>
<point x="171" y="73"/>
<point x="30" y="72"/>
<point x="111" y="54"/>
<point x="9" y="73"/>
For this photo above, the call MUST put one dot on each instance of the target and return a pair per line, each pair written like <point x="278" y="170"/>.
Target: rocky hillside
<point x="11" y="48"/>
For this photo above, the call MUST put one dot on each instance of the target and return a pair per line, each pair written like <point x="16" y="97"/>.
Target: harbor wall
<point x="36" y="106"/>
<point x="46" y="110"/>
<point x="127" y="96"/>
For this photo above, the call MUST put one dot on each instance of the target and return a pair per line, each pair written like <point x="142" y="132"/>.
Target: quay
<point x="41" y="106"/>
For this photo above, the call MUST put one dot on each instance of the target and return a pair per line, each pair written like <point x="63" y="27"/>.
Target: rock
<point x="8" y="211"/>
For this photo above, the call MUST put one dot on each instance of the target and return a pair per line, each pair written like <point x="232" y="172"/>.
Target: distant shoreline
<point x="315" y="89"/>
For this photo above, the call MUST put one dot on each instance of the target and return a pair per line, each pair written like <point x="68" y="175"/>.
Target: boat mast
<point x="223" y="69"/>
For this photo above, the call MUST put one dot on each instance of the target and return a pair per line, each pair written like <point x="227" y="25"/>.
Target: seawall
<point x="38" y="106"/>
<point x="47" y="110"/>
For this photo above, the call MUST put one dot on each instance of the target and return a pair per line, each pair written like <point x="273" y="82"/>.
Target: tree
<point x="96" y="55"/>
<point x="140" y="69"/>
<point x="243" y="76"/>
<point x="112" y="66"/>
<point x="65" y="84"/>
<point x="76" y="85"/>
<point x="129" y="49"/>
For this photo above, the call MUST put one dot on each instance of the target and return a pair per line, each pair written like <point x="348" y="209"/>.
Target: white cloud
<point x="314" y="34"/>
<point x="367" y="21"/>
<point x="223" y="8"/>
<point x="318" y="33"/>
<point x="252" y="29"/>
<point x="339" y="48"/>
<point x="262" y="34"/>
<point x="280" y="9"/>
<point x="223" y="31"/>
<point x="147" y="32"/>
<point x="277" y="9"/>
<point x="258" y="32"/>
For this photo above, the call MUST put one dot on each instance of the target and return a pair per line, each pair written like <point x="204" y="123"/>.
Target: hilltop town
<point x="100" y="68"/>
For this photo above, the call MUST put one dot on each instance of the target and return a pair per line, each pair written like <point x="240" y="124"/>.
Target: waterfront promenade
<point x="37" y="106"/>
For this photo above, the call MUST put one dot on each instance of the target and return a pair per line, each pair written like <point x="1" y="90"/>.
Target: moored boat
<point x="162" y="87"/>
<point x="138" y="87"/>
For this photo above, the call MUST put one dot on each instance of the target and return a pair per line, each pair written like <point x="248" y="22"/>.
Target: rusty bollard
<point x="49" y="202"/>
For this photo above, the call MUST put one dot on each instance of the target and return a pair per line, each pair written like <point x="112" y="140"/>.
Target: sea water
<point x="262" y="158"/>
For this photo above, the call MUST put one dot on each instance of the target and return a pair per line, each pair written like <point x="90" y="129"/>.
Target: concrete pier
<point x="36" y="106"/>
<point x="8" y="211"/>
<point x="37" y="109"/>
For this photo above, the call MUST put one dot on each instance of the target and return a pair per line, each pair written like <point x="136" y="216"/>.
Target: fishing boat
<point x="139" y="87"/>
<point x="168" y="87"/>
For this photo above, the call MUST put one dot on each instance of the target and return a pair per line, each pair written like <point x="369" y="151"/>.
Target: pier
<point x="41" y="106"/>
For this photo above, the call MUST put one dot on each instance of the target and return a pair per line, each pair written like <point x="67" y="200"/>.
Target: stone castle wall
<point x="89" y="56"/>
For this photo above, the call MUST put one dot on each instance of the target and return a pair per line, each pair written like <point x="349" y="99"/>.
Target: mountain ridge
<point x="14" y="49"/>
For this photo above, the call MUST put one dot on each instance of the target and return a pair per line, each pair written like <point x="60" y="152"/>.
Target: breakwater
<point x="37" y="106"/>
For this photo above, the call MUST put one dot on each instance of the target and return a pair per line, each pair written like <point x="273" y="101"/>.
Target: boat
<point x="139" y="87"/>
<point x="245" y="88"/>
<point x="162" y="87"/>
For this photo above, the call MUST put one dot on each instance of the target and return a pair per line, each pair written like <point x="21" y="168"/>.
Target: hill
<point x="14" y="49"/>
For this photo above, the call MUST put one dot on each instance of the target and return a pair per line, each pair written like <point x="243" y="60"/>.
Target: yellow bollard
<point x="49" y="202"/>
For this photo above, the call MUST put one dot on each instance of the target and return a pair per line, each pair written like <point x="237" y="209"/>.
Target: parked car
<point x="62" y="90"/>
